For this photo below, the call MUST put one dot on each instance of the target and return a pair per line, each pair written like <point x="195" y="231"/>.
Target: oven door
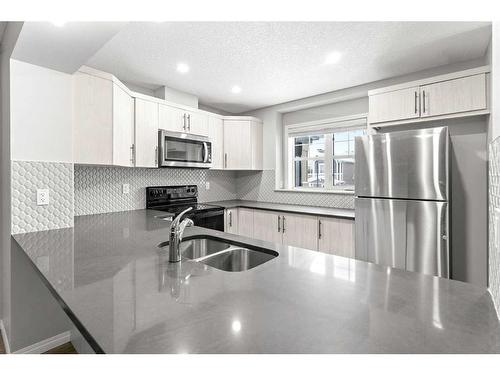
<point x="184" y="150"/>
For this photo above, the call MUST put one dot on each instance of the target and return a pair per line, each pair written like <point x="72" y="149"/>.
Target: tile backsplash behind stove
<point x="99" y="189"/>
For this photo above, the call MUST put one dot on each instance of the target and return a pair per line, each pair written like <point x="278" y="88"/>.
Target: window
<point x="322" y="158"/>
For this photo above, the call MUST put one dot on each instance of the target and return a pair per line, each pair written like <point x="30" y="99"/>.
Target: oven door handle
<point x="205" y="152"/>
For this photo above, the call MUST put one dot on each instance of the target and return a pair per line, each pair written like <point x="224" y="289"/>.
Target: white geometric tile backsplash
<point x="99" y="189"/>
<point x="27" y="177"/>
<point x="494" y="203"/>
<point x="260" y="186"/>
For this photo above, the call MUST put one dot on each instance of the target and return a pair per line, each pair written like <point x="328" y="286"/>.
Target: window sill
<point x="339" y="191"/>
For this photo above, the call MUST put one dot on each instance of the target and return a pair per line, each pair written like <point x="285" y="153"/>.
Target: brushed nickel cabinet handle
<point x="319" y="229"/>
<point x="189" y="123"/>
<point x="230" y="218"/>
<point x="279" y="224"/>
<point x="132" y="153"/>
<point x="416" y="102"/>
<point x="283" y="224"/>
<point x="156" y="155"/>
<point x="184" y="122"/>
<point x="423" y="99"/>
<point x="225" y="160"/>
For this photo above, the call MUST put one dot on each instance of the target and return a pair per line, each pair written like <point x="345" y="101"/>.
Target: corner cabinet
<point x="216" y="134"/>
<point x="242" y="143"/>
<point x="103" y="122"/>
<point x="453" y="95"/>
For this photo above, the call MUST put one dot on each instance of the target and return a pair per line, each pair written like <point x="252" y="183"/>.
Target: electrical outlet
<point x="125" y="188"/>
<point x="207" y="185"/>
<point x="42" y="197"/>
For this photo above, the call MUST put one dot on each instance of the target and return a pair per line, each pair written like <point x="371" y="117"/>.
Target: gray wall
<point x="469" y="187"/>
<point x="339" y="109"/>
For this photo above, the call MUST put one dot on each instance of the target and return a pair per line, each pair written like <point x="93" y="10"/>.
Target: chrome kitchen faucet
<point x="176" y="232"/>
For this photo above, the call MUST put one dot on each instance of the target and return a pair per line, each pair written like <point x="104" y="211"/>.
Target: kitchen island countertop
<point x="116" y="285"/>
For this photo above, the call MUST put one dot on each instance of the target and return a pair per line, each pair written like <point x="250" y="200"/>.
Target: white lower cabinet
<point x="300" y="231"/>
<point x="245" y="222"/>
<point x="326" y="234"/>
<point x="336" y="236"/>
<point x="267" y="226"/>
<point x="231" y="220"/>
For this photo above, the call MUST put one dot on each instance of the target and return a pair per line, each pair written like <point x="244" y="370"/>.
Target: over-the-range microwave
<point x="183" y="150"/>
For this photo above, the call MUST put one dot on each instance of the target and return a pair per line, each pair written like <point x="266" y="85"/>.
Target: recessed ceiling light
<point x="182" y="68"/>
<point x="236" y="89"/>
<point x="59" y="23"/>
<point x="333" y="57"/>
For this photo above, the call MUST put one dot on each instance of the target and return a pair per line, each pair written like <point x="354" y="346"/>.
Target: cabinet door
<point x="394" y="105"/>
<point x="336" y="236"/>
<point x="123" y="127"/>
<point x="454" y="96"/>
<point x="93" y="120"/>
<point x="237" y="145"/>
<point x="300" y="231"/>
<point x="171" y="118"/>
<point x="231" y="220"/>
<point x="146" y="133"/>
<point x="267" y="226"/>
<point x="216" y="135"/>
<point x="197" y="123"/>
<point x="245" y="222"/>
<point x="257" y="145"/>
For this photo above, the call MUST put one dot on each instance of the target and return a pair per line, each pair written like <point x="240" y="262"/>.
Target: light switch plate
<point x="207" y="185"/>
<point x="42" y="197"/>
<point x="125" y="188"/>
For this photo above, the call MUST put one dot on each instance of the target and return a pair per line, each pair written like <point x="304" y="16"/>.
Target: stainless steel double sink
<point x="224" y="255"/>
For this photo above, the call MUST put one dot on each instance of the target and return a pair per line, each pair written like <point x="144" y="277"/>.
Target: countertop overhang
<point x="118" y="288"/>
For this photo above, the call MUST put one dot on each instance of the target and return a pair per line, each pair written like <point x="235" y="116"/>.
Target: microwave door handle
<point x="205" y="152"/>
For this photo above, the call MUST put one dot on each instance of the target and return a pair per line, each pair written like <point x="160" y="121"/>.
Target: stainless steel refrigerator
<point x="402" y="200"/>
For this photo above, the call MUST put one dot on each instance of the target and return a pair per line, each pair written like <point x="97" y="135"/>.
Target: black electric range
<point x="175" y="199"/>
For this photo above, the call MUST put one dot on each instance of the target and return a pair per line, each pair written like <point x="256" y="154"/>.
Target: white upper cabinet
<point x="171" y="118"/>
<point x="458" y="95"/>
<point x="394" y="105"/>
<point x="242" y="144"/>
<point x="197" y="123"/>
<point x="452" y="95"/>
<point x="123" y="129"/>
<point x="103" y="122"/>
<point x="216" y="135"/>
<point x="184" y="121"/>
<point x="146" y="133"/>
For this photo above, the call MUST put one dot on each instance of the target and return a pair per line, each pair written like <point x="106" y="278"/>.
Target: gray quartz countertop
<point x="293" y="208"/>
<point x="118" y="288"/>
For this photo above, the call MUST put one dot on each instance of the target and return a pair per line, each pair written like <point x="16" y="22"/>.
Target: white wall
<point x="41" y="108"/>
<point x="8" y="43"/>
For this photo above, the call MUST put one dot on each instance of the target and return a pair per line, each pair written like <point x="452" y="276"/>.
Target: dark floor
<point x="2" y="347"/>
<point x="67" y="348"/>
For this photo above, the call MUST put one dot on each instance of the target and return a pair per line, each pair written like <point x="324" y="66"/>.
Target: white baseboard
<point x="4" y="337"/>
<point x="47" y="344"/>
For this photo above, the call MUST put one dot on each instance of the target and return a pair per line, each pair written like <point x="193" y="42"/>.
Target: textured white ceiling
<point x="275" y="62"/>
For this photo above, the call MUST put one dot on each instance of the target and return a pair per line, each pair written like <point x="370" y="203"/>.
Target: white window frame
<point x="327" y="127"/>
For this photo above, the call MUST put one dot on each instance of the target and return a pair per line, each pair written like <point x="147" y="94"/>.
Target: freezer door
<point x="406" y="164"/>
<point x="405" y="234"/>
